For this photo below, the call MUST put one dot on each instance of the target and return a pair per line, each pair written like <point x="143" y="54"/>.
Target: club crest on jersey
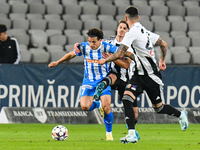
<point x="133" y="87"/>
<point x="152" y="53"/>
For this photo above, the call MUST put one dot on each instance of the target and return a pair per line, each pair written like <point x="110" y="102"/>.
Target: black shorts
<point x="138" y="83"/>
<point x="120" y="86"/>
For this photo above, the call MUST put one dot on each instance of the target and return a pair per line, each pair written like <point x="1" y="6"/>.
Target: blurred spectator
<point x="9" y="48"/>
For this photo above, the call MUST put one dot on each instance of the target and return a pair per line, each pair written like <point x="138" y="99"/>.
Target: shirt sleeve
<point x="154" y="37"/>
<point x="80" y="47"/>
<point x="17" y="52"/>
<point x="129" y="37"/>
<point x="113" y="48"/>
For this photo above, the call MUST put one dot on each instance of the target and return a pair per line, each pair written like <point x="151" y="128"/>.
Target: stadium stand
<point x="56" y="55"/>
<point x="26" y="56"/>
<point x="19" y="8"/>
<point x="4" y="7"/>
<point x="62" y="21"/>
<point x="13" y="16"/>
<point x="38" y="38"/>
<point x="38" y="24"/>
<point x="20" y="24"/>
<point x="85" y="17"/>
<point x="51" y="32"/>
<point x="57" y="40"/>
<point x="53" y="48"/>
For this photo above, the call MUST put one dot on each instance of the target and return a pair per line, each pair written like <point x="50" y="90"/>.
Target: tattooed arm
<point x="122" y="51"/>
<point x="163" y="48"/>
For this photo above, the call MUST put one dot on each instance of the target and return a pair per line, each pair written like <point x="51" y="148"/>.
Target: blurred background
<point x="47" y="29"/>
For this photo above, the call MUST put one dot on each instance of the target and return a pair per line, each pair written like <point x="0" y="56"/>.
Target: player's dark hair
<point x="123" y="21"/>
<point x="3" y="28"/>
<point x="132" y="11"/>
<point x="95" y="32"/>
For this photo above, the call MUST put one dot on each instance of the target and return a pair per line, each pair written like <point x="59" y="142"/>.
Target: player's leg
<point x="133" y="89"/>
<point x="131" y="137"/>
<point x="109" y="80"/>
<point x="155" y="95"/>
<point x="135" y="109"/>
<point x="108" y="116"/>
<point x="86" y="99"/>
<point x="161" y="108"/>
<point x="120" y="85"/>
<point x="87" y="103"/>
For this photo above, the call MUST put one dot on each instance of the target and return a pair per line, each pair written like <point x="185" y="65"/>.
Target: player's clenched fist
<point x="102" y="61"/>
<point x="52" y="64"/>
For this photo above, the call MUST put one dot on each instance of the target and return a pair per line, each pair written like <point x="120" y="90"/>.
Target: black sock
<point x="107" y="81"/>
<point x="136" y="121"/>
<point x="129" y="114"/>
<point x="168" y="109"/>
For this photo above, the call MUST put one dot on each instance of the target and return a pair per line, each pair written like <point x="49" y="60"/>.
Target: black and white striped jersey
<point x="142" y="41"/>
<point x="125" y="74"/>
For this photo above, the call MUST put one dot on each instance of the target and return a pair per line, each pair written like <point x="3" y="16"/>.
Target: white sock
<point x="131" y="131"/>
<point x="100" y="106"/>
<point x="108" y="133"/>
<point x="181" y="116"/>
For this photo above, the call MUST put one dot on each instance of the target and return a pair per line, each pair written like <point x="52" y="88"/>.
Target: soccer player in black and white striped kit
<point x="147" y="73"/>
<point x="118" y="76"/>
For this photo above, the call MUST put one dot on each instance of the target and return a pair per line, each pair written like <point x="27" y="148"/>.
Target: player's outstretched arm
<point x="66" y="57"/>
<point x="77" y="50"/>
<point x="163" y="48"/>
<point x="117" y="55"/>
<point x="124" y="62"/>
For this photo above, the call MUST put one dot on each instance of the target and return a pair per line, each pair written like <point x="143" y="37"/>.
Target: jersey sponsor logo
<point x="40" y="114"/>
<point x="133" y="87"/>
<point x="87" y="86"/>
<point x="92" y="61"/>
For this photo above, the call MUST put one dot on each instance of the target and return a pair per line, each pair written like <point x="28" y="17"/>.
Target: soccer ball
<point x="59" y="133"/>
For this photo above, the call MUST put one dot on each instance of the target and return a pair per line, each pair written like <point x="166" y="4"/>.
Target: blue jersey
<point x="93" y="71"/>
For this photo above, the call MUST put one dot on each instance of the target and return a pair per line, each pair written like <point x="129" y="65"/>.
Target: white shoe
<point x="101" y="111"/>
<point x="129" y="138"/>
<point x="109" y="137"/>
<point x="183" y="121"/>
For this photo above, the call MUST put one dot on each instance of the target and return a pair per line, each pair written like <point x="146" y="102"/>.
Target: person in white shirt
<point x="147" y="74"/>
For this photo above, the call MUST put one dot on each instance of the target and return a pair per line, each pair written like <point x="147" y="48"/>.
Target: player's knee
<point x="127" y="97"/>
<point x="106" y="109"/>
<point x="158" y="109"/>
<point x="113" y="78"/>
<point x="85" y="107"/>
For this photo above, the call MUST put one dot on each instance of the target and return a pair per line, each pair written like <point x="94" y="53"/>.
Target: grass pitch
<point x="92" y="137"/>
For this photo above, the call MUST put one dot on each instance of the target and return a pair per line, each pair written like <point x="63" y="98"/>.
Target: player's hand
<point x="52" y="64"/>
<point x="162" y="65"/>
<point x="105" y="55"/>
<point x="102" y="61"/>
<point x="76" y="48"/>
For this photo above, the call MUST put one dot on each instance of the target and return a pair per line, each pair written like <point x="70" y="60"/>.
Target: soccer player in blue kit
<point x="93" y="74"/>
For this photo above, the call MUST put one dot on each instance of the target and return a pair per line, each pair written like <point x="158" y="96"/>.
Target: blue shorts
<point x="88" y="90"/>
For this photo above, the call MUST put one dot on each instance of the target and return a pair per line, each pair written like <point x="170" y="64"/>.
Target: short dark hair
<point x="132" y="11"/>
<point x="123" y="21"/>
<point x="95" y="32"/>
<point x="3" y="28"/>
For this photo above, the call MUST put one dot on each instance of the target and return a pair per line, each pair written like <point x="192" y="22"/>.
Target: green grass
<point x="92" y="137"/>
